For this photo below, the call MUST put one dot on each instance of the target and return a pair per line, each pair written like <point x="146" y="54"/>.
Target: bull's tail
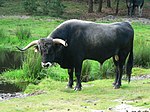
<point x="129" y="64"/>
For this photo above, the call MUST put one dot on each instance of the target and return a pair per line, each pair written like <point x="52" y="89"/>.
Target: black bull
<point x="74" y="41"/>
<point x="132" y="4"/>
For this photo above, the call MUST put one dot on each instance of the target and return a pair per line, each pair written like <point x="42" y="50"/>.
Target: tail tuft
<point x="129" y="66"/>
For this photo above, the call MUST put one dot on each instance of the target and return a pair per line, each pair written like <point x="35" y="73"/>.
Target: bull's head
<point x="48" y="48"/>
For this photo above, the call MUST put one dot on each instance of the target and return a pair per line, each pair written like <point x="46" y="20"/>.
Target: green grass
<point x="136" y="71"/>
<point x="38" y="27"/>
<point x="96" y="95"/>
<point x="142" y="44"/>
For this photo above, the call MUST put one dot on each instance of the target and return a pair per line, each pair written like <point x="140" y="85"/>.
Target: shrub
<point x="141" y="52"/>
<point x="2" y="3"/>
<point x="30" y="6"/>
<point x="56" y="73"/>
<point x="107" y="69"/>
<point x="44" y="7"/>
<point x="86" y="69"/>
<point x="53" y="7"/>
<point x="2" y="33"/>
<point x="91" y="70"/>
<point x="32" y="65"/>
<point x="23" y="33"/>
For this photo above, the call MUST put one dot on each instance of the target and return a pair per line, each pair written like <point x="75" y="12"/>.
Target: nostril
<point x="46" y="65"/>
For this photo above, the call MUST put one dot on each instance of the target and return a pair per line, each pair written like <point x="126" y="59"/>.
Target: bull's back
<point x="102" y="41"/>
<point x="93" y="40"/>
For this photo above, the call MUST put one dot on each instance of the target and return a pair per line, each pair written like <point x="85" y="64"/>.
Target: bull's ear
<point x="66" y="43"/>
<point x="36" y="49"/>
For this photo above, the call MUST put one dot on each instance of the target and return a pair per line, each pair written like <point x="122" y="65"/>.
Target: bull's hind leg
<point x="120" y="63"/>
<point x="116" y="70"/>
<point x="118" y="80"/>
<point x="70" y="83"/>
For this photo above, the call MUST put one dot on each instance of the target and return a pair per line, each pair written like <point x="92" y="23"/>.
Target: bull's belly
<point x="100" y="58"/>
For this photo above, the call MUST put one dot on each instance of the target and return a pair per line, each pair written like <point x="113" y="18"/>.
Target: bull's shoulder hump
<point x="72" y="22"/>
<point x="121" y="23"/>
<point x="75" y="22"/>
<point x="124" y="25"/>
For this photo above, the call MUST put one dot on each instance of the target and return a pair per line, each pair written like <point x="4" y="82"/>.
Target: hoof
<point x="113" y="84"/>
<point x="68" y="87"/>
<point x="116" y="86"/>
<point x="77" y="89"/>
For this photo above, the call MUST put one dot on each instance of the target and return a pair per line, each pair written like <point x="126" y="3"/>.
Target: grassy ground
<point x="37" y="27"/>
<point x="96" y="95"/>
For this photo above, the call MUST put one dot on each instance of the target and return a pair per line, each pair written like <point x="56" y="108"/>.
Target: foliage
<point x="53" y="7"/>
<point x="30" y="6"/>
<point x="92" y="70"/>
<point x="56" y="73"/>
<point x="9" y="75"/>
<point x="86" y="69"/>
<point x="32" y="66"/>
<point x="107" y="69"/>
<point x="2" y="33"/>
<point x="141" y="45"/>
<point x="2" y="2"/>
<point x="45" y="7"/>
<point x="23" y="33"/>
<point x="138" y="70"/>
<point x="142" y="52"/>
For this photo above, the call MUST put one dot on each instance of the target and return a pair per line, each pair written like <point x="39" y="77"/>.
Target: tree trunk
<point x="109" y="3"/>
<point x="117" y="7"/>
<point x="100" y="2"/>
<point x="90" y="3"/>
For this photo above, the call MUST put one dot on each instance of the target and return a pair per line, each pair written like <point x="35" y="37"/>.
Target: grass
<point x="32" y="66"/>
<point x="142" y="44"/>
<point x="9" y="26"/>
<point x="96" y="95"/>
<point x="23" y="33"/>
<point x="136" y="71"/>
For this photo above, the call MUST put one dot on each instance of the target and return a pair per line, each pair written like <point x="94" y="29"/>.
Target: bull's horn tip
<point x="66" y="44"/>
<point x="19" y="48"/>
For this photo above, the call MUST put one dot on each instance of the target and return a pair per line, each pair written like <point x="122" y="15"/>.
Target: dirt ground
<point x="122" y="13"/>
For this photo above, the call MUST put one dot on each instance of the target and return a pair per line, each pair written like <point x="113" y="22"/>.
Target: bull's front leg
<point x="78" y="86"/>
<point x="70" y="83"/>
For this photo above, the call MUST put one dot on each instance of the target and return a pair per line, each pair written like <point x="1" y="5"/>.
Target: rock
<point x="7" y="96"/>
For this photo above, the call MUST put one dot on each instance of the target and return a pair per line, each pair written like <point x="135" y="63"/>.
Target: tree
<point x="117" y="6"/>
<point x="100" y="2"/>
<point x="109" y="3"/>
<point x="90" y="3"/>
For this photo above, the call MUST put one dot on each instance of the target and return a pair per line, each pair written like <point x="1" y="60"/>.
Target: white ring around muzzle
<point x="48" y="64"/>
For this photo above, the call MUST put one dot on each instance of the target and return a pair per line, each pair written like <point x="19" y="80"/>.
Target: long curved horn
<point x="60" y="41"/>
<point x="35" y="42"/>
